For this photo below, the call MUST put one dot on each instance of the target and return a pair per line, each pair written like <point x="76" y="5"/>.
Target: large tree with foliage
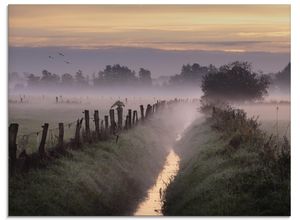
<point x="235" y="82"/>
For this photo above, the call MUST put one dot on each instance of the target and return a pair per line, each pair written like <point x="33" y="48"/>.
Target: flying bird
<point x="67" y="62"/>
<point x="51" y="57"/>
<point x="61" y="54"/>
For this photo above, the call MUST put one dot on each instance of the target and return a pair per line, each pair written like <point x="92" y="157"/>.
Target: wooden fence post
<point x="106" y="124"/>
<point x="61" y="135"/>
<point x="77" y="132"/>
<point x="112" y="120"/>
<point x="142" y="112"/>
<point x="12" y="138"/>
<point x="87" y="125"/>
<point x="120" y="117"/>
<point x="129" y="118"/>
<point x="42" y="150"/>
<point x="134" y="120"/>
<point x="126" y="122"/>
<point x="102" y="129"/>
<point x="148" y="111"/>
<point x="96" y="119"/>
<point x="136" y="117"/>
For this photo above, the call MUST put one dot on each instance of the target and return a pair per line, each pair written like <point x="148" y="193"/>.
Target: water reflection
<point x="153" y="203"/>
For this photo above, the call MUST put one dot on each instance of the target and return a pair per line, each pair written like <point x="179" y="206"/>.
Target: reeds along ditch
<point x="230" y="166"/>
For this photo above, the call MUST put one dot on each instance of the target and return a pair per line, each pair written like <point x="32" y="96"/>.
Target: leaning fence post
<point x="42" y="150"/>
<point x="96" y="119"/>
<point x="87" y="124"/>
<point x="60" y="135"/>
<point x="142" y="112"/>
<point x="12" y="138"/>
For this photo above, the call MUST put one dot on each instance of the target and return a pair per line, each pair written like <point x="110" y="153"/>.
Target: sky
<point x="226" y="28"/>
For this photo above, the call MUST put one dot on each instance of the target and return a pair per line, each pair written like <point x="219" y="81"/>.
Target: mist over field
<point x="146" y="110"/>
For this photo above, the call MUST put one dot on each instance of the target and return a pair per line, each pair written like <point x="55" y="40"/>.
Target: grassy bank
<point x="101" y="179"/>
<point x="229" y="166"/>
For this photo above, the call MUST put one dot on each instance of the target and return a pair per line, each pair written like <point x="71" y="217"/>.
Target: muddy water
<point x="153" y="202"/>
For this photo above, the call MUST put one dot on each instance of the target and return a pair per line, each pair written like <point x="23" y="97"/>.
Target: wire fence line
<point x="49" y="142"/>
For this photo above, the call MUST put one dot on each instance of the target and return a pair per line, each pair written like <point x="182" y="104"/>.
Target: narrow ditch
<point x="152" y="204"/>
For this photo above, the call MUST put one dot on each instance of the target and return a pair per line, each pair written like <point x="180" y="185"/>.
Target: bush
<point x="235" y="82"/>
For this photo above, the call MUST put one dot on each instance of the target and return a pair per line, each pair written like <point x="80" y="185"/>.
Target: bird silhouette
<point x="67" y="62"/>
<point x="51" y="57"/>
<point x="61" y="54"/>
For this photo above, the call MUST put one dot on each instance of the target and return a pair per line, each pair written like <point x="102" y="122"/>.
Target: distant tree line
<point x="112" y="75"/>
<point x="235" y="81"/>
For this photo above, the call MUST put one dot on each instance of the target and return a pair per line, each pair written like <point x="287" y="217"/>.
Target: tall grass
<point x="106" y="178"/>
<point x="231" y="167"/>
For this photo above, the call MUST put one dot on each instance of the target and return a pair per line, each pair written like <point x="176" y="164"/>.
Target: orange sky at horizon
<point x="169" y="27"/>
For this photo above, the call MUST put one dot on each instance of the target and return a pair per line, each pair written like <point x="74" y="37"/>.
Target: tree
<point x="191" y="74"/>
<point x="145" y="77"/>
<point x="49" y="78"/>
<point x="67" y="79"/>
<point x="115" y="75"/>
<point x="235" y="82"/>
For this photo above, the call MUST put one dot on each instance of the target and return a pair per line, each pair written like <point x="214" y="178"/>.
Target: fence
<point x="50" y="142"/>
